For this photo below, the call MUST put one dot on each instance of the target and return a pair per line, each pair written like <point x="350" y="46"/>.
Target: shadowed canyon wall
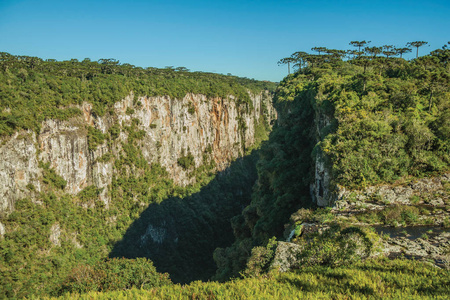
<point x="196" y="128"/>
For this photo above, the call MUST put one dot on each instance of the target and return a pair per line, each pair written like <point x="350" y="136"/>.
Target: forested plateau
<point x="118" y="181"/>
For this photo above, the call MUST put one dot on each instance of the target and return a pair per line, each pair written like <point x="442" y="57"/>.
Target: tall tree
<point x="403" y="50"/>
<point x="388" y="50"/>
<point x="287" y="61"/>
<point x="359" y="44"/>
<point x="299" y="59"/>
<point x="335" y="54"/>
<point x="319" y="49"/>
<point x="374" y="51"/>
<point x="416" y="44"/>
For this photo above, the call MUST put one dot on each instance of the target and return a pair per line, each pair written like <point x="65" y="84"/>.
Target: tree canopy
<point x="33" y="89"/>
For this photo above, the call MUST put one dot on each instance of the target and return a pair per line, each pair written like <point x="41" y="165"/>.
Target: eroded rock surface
<point x="286" y="256"/>
<point x="217" y="129"/>
<point x="19" y="171"/>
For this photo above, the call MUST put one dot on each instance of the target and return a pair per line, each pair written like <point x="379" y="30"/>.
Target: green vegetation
<point x="56" y="242"/>
<point x="32" y="90"/>
<point x="89" y="193"/>
<point x="388" y="117"/>
<point x="369" y="119"/>
<point x="50" y="177"/>
<point x="260" y="259"/>
<point x="375" y="279"/>
<point x="95" y="138"/>
<point x="336" y="246"/>
<point x="187" y="161"/>
<point x="114" y="274"/>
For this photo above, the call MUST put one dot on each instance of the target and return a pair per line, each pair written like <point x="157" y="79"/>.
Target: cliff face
<point x="214" y="130"/>
<point x="321" y="187"/>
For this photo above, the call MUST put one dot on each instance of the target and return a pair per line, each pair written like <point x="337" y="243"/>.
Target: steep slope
<point x="79" y="169"/>
<point x="178" y="134"/>
<point x="343" y="127"/>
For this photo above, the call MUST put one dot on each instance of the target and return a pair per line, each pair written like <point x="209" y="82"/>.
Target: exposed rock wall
<point x="217" y="129"/>
<point x="425" y="191"/>
<point x="321" y="188"/>
<point x="18" y="168"/>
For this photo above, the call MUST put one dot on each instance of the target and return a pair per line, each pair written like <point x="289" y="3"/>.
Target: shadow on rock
<point x="180" y="235"/>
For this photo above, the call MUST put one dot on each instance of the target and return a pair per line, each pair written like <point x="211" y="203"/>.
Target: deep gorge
<point x="207" y="176"/>
<point x="123" y="174"/>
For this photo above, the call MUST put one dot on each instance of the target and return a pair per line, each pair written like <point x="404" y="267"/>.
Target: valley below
<point x="123" y="182"/>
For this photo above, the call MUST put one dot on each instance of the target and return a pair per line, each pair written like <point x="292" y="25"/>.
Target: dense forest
<point x="380" y="120"/>
<point x="32" y="89"/>
<point x="388" y="117"/>
<point x="372" y="118"/>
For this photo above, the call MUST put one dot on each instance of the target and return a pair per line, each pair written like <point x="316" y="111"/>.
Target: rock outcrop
<point x="286" y="256"/>
<point x="429" y="247"/>
<point x="18" y="168"/>
<point x="217" y="130"/>
<point x="321" y="189"/>
<point x="429" y="191"/>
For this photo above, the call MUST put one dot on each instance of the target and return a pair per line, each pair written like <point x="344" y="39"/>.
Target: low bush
<point x="260" y="259"/>
<point x="114" y="274"/>
<point x="374" y="279"/>
<point x="95" y="138"/>
<point x="186" y="161"/>
<point x="335" y="246"/>
<point x="51" y="178"/>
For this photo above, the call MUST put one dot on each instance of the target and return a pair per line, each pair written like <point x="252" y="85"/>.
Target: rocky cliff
<point x="197" y="129"/>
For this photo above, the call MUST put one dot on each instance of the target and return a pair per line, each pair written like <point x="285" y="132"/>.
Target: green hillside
<point x="372" y="280"/>
<point x="370" y="120"/>
<point x="32" y="89"/>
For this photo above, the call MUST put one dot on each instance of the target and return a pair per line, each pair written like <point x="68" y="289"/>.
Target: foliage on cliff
<point x="32" y="89"/>
<point x="389" y="122"/>
<point x="57" y="236"/>
<point x="372" y="122"/>
<point x="54" y="238"/>
<point x="383" y="118"/>
<point x="284" y="169"/>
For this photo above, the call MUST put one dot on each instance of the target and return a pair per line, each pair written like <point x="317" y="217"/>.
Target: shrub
<point x="51" y="178"/>
<point x="260" y="259"/>
<point x="95" y="138"/>
<point x="191" y="108"/>
<point x="31" y="187"/>
<point x="105" y="157"/>
<point x="89" y="193"/>
<point x="115" y="274"/>
<point x="397" y="214"/>
<point x="392" y="215"/>
<point x="336" y="247"/>
<point x="186" y="161"/>
<point x="414" y="199"/>
<point x="129" y="111"/>
<point x="302" y="215"/>
<point x="114" y="131"/>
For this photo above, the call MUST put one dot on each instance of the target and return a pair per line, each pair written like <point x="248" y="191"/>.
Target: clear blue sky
<point x="245" y="38"/>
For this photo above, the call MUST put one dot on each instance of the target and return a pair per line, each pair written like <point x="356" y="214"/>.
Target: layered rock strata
<point x="213" y="129"/>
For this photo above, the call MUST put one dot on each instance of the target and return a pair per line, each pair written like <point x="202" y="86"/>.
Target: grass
<point x="375" y="279"/>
